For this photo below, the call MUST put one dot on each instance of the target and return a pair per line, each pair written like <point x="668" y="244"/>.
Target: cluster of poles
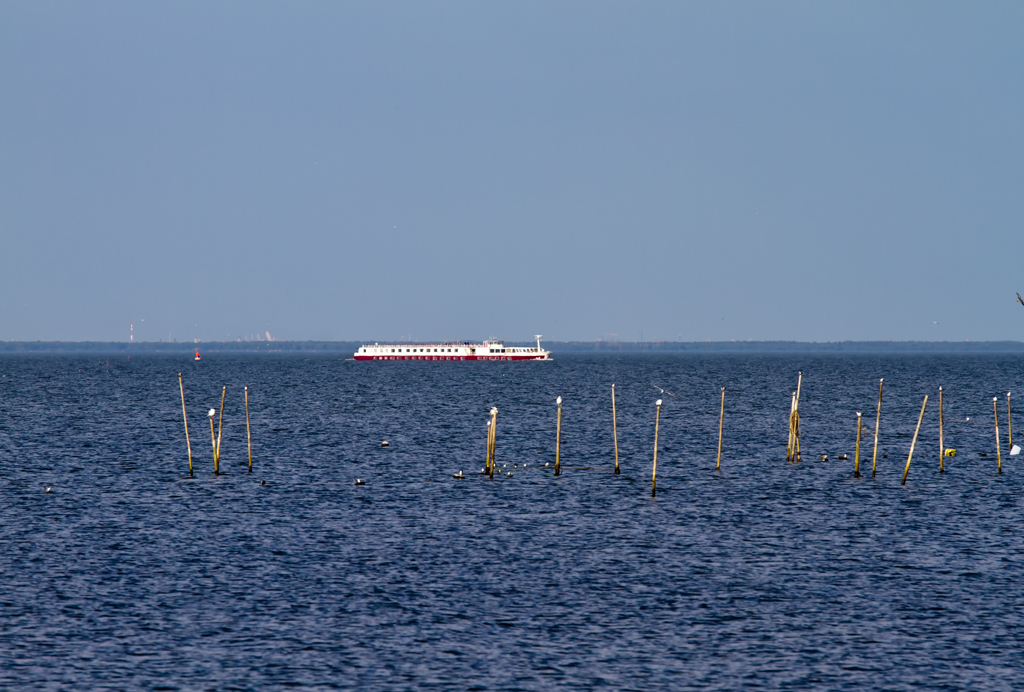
<point x="215" y="435"/>
<point x="943" y="451"/>
<point x="492" y="428"/>
<point x="793" y="453"/>
<point x="793" y="449"/>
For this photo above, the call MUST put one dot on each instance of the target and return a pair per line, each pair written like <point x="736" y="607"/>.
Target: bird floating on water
<point x="263" y="482"/>
<point x="458" y="475"/>
<point x="360" y="481"/>
<point x="48" y="489"/>
<point x="508" y="475"/>
<point x="385" y="443"/>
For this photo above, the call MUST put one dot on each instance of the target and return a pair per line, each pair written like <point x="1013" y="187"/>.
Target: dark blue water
<point x="131" y="575"/>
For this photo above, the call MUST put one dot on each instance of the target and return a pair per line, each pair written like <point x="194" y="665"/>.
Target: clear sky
<point x="582" y="170"/>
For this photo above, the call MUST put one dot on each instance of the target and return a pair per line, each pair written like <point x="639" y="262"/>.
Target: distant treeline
<point x="787" y="347"/>
<point x="556" y="347"/>
<point x="172" y="347"/>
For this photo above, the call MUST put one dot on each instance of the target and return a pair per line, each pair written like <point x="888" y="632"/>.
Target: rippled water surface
<point x="131" y="575"/>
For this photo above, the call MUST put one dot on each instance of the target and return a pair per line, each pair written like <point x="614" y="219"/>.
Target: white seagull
<point x="664" y="391"/>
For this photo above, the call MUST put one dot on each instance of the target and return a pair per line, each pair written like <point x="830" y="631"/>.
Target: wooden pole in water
<point x="878" y="417"/>
<point x="248" y="432"/>
<point x="789" y="442"/>
<point x="615" y="433"/>
<point x="654" y="469"/>
<point x="721" y="421"/>
<point x="796" y="430"/>
<point x="942" y="442"/>
<point x="558" y="438"/>
<point x="792" y="408"/>
<point x="999" y="452"/>
<point x="856" y="454"/>
<point x="487" y="456"/>
<point x="914" y="442"/>
<point x="185" y="416"/>
<point x="213" y="439"/>
<point x="494" y="435"/>
<point x="1009" y="421"/>
<point x="220" y="423"/>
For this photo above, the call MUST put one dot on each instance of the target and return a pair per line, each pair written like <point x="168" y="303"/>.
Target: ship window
<point x="502" y="350"/>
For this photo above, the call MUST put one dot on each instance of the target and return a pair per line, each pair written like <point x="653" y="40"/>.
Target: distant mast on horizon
<point x="131" y="330"/>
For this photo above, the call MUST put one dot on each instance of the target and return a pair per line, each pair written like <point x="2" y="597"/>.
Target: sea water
<point x="129" y="574"/>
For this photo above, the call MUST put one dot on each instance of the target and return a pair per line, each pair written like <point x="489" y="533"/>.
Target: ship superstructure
<point x="492" y="349"/>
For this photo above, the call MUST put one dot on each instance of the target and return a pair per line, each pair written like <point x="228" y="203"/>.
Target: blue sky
<point x="583" y="170"/>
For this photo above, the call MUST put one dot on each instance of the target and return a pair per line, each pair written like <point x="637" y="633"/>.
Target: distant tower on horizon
<point x="131" y="331"/>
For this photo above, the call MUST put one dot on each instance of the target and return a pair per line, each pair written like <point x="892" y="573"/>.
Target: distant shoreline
<point x="557" y="347"/>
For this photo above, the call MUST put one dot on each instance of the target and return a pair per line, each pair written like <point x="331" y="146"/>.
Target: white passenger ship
<point x="492" y="349"/>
